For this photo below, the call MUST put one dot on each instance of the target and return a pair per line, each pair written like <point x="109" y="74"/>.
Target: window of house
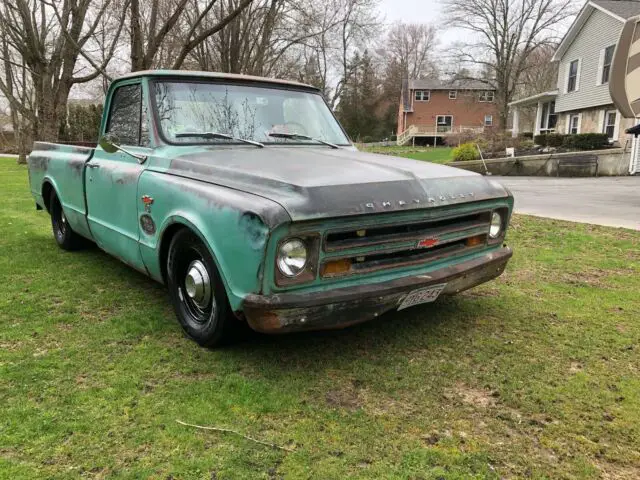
<point x="572" y="81"/>
<point x="574" y="124"/>
<point x="453" y="94"/>
<point x="487" y="96"/>
<point x="125" y="114"/>
<point x="548" y="117"/>
<point x="488" y="120"/>
<point x="444" y="123"/>
<point x="423" y="95"/>
<point x="606" y="63"/>
<point x="610" y="124"/>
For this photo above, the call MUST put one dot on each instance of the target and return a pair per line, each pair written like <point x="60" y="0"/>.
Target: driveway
<point x="609" y="201"/>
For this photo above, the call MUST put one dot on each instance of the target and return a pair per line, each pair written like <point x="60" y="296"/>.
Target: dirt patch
<point x="379" y="405"/>
<point x="575" y="367"/>
<point x="614" y="471"/>
<point x="474" y="396"/>
<point x="348" y="398"/>
<point x="591" y="277"/>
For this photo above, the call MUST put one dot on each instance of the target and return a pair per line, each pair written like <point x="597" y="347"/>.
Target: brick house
<point x="431" y="110"/>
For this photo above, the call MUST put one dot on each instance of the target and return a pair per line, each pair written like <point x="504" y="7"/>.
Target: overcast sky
<point x="421" y="11"/>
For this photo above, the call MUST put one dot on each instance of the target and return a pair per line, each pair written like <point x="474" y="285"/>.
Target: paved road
<point x="609" y="201"/>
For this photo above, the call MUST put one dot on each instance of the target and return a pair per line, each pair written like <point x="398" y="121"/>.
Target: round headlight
<point x="292" y="257"/>
<point x="496" y="225"/>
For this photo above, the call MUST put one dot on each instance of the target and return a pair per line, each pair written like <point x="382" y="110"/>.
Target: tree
<point x="358" y="107"/>
<point x="410" y="46"/>
<point x="47" y="38"/>
<point x="162" y="18"/>
<point x="506" y="34"/>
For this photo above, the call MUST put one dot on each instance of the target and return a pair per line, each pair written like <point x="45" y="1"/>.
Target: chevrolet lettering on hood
<point x="430" y="201"/>
<point x="245" y="197"/>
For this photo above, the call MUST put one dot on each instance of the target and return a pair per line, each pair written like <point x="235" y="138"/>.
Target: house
<point x="582" y="102"/>
<point x="431" y="110"/>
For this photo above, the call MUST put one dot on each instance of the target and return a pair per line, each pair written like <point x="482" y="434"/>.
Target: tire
<point x="65" y="237"/>
<point x="203" y="312"/>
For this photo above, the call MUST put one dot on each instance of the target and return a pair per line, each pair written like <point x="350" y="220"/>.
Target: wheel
<point x="66" y="238"/>
<point x="197" y="292"/>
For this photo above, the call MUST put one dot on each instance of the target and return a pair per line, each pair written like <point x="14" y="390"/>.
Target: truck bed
<point x="61" y="166"/>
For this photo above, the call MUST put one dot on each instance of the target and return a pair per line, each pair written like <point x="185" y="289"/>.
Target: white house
<point x="582" y="103"/>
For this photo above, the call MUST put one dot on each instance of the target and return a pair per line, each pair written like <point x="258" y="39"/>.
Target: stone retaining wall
<point x="613" y="162"/>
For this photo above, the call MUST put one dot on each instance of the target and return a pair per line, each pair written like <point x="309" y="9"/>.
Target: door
<point x="112" y="179"/>
<point x="444" y="123"/>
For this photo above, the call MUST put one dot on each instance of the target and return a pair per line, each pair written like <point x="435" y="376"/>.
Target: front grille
<point x="398" y="245"/>
<point x="343" y="240"/>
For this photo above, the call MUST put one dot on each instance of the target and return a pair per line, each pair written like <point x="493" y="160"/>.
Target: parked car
<point x="246" y="198"/>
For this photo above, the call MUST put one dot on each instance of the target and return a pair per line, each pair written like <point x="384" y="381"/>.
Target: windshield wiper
<point x="219" y="135"/>
<point x="301" y="137"/>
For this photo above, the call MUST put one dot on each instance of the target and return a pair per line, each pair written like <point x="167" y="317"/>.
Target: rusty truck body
<point x="247" y="199"/>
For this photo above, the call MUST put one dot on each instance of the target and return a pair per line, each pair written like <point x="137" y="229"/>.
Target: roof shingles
<point x="624" y="9"/>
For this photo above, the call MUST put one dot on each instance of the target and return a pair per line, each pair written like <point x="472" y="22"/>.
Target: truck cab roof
<point x="232" y="77"/>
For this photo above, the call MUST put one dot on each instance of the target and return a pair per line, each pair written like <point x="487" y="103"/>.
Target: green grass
<point x="535" y="375"/>
<point x="426" y="154"/>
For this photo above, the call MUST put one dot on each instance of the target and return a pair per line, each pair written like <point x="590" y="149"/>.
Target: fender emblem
<point x="148" y="201"/>
<point x="427" y="243"/>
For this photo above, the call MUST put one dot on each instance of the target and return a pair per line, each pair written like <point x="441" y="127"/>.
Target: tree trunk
<point x="137" y="47"/>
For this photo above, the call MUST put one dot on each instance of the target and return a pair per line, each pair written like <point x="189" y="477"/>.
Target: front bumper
<point x="289" y="312"/>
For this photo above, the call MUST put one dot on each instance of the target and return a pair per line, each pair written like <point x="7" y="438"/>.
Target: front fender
<point x="234" y="225"/>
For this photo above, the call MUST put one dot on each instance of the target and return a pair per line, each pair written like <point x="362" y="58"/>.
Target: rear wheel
<point x="197" y="292"/>
<point x="65" y="237"/>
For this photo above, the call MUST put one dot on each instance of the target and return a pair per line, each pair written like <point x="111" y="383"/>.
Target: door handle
<point x="93" y="165"/>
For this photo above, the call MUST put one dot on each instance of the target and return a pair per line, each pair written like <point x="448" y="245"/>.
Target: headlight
<point x="292" y="257"/>
<point x="496" y="225"/>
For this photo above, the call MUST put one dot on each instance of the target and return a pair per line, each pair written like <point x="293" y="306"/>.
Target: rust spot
<point x="37" y="162"/>
<point x="76" y="166"/>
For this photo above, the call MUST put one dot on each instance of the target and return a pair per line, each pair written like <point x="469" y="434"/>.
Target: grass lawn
<point x="427" y="154"/>
<point x="535" y="375"/>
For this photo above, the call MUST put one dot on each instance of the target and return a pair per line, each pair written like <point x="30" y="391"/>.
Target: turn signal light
<point x="336" y="267"/>
<point x="477" y="240"/>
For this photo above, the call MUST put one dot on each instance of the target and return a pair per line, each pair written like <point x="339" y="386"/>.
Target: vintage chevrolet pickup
<point x="246" y="198"/>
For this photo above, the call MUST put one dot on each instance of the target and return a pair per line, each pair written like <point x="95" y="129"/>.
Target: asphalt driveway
<point x="609" y="201"/>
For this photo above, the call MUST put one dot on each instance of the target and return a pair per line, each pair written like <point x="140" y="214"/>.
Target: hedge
<point x="581" y="141"/>
<point x="586" y="141"/>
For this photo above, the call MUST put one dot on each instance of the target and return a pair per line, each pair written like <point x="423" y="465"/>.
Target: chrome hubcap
<point x="197" y="284"/>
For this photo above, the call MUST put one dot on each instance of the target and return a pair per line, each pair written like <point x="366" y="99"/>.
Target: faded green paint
<point x="242" y="213"/>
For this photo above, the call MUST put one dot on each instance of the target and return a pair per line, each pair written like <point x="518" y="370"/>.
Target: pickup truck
<point x="245" y="197"/>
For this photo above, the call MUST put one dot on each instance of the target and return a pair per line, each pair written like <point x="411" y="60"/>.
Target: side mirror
<point x="111" y="144"/>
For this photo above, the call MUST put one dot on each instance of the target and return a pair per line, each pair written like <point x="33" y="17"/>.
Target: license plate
<point x="423" y="295"/>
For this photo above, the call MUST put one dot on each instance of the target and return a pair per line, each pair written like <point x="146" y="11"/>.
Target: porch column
<point x="536" y="127"/>
<point x="515" y="130"/>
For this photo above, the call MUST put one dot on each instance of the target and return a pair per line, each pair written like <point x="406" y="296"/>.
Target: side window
<point x="125" y="114"/>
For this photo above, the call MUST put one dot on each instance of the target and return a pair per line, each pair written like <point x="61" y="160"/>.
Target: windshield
<point x="243" y="112"/>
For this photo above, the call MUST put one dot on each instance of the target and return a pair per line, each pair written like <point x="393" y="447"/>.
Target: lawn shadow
<point x="394" y="334"/>
<point x="397" y="333"/>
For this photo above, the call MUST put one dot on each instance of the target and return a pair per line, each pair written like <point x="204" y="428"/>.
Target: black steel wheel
<point x="197" y="291"/>
<point x="65" y="237"/>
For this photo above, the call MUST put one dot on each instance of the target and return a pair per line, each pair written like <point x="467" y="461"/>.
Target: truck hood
<point x="312" y="183"/>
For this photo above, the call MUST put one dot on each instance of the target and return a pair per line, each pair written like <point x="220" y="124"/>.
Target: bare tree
<point x="540" y="73"/>
<point x="48" y="37"/>
<point x="410" y="46"/>
<point x="506" y="33"/>
<point x="163" y="17"/>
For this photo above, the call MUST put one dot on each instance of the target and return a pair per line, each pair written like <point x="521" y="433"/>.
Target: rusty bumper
<point x="289" y="312"/>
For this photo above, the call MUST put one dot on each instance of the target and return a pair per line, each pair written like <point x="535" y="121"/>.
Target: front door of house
<point x="444" y="123"/>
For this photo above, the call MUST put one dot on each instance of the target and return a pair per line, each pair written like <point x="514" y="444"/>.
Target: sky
<point x="421" y="11"/>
